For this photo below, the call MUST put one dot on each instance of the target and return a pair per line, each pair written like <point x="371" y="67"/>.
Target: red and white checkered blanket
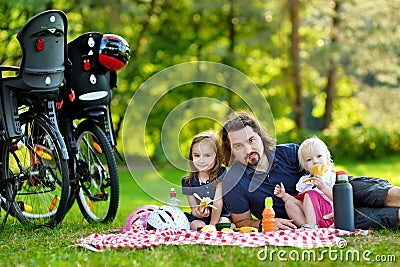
<point x="139" y="238"/>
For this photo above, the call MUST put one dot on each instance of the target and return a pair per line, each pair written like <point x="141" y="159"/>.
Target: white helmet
<point x="167" y="217"/>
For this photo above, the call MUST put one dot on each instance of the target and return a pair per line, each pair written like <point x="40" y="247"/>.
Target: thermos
<point x="343" y="202"/>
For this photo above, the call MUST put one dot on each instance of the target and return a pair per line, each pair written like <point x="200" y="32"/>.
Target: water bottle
<point x="173" y="200"/>
<point x="343" y="202"/>
<point x="268" y="216"/>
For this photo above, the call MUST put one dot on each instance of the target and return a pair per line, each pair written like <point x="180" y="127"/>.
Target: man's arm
<point x="245" y="219"/>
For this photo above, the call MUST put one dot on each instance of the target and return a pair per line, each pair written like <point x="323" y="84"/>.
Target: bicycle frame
<point x="84" y="113"/>
<point x="34" y="156"/>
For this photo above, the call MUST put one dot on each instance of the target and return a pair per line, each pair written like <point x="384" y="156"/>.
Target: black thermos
<point x="343" y="202"/>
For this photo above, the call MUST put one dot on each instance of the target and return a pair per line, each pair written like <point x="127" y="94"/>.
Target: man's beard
<point x="254" y="160"/>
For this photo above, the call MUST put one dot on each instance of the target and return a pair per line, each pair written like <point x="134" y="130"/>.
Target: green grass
<point x="20" y="246"/>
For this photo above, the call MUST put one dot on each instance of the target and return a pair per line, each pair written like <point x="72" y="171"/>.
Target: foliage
<point x="251" y="37"/>
<point x="352" y="142"/>
<point x="363" y="142"/>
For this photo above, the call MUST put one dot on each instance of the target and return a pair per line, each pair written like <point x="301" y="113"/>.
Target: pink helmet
<point x="139" y="217"/>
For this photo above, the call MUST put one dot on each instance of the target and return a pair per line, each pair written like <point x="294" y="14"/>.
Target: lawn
<point x="50" y="247"/>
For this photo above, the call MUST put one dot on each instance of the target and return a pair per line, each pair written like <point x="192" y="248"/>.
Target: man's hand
<point x="284" y="224"/>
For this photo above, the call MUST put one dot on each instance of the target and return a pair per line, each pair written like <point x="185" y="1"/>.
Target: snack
<point x="247" y="229"/>
<point x="220" y="226"/>
<point x="308" y="179"/>
<point x="319" y="170"/>
<point x="208" y="228"/>
<point x="226" y="230"/>
<point x="205" y="202"/>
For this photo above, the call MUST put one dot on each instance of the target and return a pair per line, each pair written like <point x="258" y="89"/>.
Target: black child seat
<point x="43" y="40"/>
<point x="90" y="81"/>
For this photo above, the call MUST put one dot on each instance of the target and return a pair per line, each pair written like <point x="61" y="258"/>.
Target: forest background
<point x="329" y="67"/>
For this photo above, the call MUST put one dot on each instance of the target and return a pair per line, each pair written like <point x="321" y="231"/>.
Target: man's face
<point x="247" y="146"/>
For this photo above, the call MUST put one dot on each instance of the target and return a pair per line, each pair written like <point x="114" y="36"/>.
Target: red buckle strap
<point x="72" y="96"/>
<point x="59" y="104"/>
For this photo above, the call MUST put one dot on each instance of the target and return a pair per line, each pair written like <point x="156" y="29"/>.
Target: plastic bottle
<point x="268" y="216"/>
<point x="343" y="202"/>
<point x="173" y="200"/>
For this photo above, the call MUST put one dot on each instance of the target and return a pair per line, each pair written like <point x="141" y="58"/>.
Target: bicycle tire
<point x="36" y="171"/>
<point x="98" y="195"/>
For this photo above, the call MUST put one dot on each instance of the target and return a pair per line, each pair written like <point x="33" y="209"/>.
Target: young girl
<point x="205" y="180"/>
<point x="315" y="190"/>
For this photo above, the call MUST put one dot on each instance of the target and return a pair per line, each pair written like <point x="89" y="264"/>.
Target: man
<point x="258" y="164"/>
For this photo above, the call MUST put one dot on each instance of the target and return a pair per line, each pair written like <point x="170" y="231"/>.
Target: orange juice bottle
<point x="268" y="216"/>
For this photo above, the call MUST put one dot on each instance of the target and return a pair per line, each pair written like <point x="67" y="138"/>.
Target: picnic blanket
<point x="140" y="238"/>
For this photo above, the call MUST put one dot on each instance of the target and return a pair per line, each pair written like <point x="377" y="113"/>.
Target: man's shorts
<point x="369" y="192"/>
<point x="376" y="218"/>
<point x="369" y="210"/>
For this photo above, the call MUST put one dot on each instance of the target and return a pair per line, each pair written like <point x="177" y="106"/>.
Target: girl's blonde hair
<point x="309" y="145"/>
<point x="213" y="173"/>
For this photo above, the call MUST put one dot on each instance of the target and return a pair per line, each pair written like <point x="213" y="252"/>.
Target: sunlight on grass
<point x="387" y="168"/>
<point x="20" y="246"/>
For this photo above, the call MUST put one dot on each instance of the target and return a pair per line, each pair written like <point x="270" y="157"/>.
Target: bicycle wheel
<point x="35" y="173"/>
<point x="97" y="173"/>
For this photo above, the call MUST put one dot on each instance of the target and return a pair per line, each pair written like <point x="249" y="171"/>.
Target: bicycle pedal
<point x="100" y="196"/>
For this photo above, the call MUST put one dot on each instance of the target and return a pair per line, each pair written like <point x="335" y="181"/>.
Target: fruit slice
<point x="308" y="179"/>
<point x="247" y="229"/>
<point x="319" y="170"/>
<point x="205" y="202"/>
<point x="208" y="228"/>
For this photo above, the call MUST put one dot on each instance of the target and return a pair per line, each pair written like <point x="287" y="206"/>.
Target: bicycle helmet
<point x="139" y="217"/>
<point x="167" y="217"/>
<point x="114" y="52"/>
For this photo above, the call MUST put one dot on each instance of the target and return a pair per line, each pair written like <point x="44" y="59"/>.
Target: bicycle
<point x="34" y="182"/>
<point x="86" y="124"/>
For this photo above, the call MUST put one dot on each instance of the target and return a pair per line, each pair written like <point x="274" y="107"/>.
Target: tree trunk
<point x="332" y="72"/>
<point x="229" y="60"/>
<point x="145" y="26"/>
<point x="295" y="58"/>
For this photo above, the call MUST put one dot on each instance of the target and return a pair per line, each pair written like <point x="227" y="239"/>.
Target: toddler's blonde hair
<point x="309" y="145"/>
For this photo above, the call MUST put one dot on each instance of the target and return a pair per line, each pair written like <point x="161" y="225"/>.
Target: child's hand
<point x="318" y="182"/>
<point x="200" y="212"/>
<point x="279" y="190"/>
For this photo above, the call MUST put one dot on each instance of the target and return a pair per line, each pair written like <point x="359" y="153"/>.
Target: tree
<point x="298" y="106"/>
<point x="333" y="62"/>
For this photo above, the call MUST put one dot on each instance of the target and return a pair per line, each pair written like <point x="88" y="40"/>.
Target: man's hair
<point x="237" y="121"/>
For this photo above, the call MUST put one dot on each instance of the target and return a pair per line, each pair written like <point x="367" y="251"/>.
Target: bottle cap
<point x="342" y="176"/>
<point x="172" y="193"/>
<point x="268" y="202"/>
